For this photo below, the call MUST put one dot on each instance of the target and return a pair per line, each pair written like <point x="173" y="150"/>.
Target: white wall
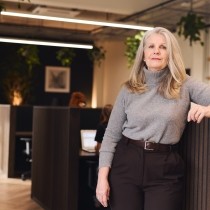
<point x="193" y="57"/>
<point x="4" y="139"/>
<point x="113" y="72"/>
<point x="116" y="70"/>
<point x="207" y="57"/>
<point x="109" y="77"/>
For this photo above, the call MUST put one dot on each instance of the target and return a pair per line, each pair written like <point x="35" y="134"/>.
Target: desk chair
<point x="92" y="173"/>
<point x="27" y="152"/>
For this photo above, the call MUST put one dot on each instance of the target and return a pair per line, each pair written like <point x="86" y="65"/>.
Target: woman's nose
<point x="156" y="50"/>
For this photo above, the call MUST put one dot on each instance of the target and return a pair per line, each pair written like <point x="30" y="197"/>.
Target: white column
<point x="4" y="139"/>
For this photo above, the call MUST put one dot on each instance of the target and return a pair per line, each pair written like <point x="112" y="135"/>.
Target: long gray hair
<point x="170" y="85"/>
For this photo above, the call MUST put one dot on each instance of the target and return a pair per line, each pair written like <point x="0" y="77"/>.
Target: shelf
<point x="23" y="133"/>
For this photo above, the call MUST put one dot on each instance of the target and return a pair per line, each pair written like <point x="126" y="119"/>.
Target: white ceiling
<point x="164" y="13"/>
<point x="125" y="7"/>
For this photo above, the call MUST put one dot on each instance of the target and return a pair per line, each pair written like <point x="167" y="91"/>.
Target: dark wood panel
<point x="195" y="149"/>
<point x="55" y="157"/>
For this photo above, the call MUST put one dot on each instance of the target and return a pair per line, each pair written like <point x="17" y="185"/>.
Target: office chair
<point x="27" y="152"/>
<point x="92" y="173"/>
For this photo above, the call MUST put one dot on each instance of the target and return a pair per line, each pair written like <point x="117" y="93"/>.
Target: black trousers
<point x="145" y="180"/>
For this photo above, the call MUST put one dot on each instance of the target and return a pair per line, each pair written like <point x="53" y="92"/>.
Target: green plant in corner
<point x="97" y="54"/>
<point x="65" y="56"/>
<point x="191" y="25"/>
<point x="17" y="83"/>
<point x="132" y="44"/>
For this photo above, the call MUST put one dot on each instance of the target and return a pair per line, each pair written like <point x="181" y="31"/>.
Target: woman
<point x="104" y="118"/>
<point x="139" y="167"/>
<point x="77" y="100"/>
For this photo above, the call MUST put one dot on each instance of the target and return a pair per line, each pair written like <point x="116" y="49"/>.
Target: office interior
<point x="63" y="176"/>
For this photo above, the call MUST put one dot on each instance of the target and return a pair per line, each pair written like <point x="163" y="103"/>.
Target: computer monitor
<point x="88" y="142"/>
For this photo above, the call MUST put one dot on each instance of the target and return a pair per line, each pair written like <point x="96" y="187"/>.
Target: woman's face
<point x="155" y="52"/>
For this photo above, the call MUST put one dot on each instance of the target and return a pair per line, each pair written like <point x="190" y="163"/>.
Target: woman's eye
<point x="163" y="47"/>
<point x="151" y="46"/>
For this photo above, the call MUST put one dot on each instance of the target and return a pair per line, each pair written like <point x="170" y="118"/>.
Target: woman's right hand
<point x="103" y="189"/>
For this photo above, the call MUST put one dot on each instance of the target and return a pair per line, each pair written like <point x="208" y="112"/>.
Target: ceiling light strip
<point x="44" y="43"/>
<point x="80" y="21"/>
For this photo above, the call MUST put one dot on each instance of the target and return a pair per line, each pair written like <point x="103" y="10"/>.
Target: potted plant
<point x="17" y="83"/>
<point x="97" y="54"/>
<point x="65" y="56"/>
<point x="190" y="27"/>
<point x="132" y="44"/>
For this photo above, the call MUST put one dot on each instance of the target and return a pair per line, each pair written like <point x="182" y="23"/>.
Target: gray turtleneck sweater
<point x="150" y="116"/>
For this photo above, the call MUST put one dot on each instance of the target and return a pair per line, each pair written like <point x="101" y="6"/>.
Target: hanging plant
<point x="97" y="54"/>
<point x="30" y="55"/>
<point x="132" y="44"/>
<point x="65" y="56"/>
<point x="190" y="27"/>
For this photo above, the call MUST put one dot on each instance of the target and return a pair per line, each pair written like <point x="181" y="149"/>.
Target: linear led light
<point x="80" y="21"/>
<point x="54" y="44"/>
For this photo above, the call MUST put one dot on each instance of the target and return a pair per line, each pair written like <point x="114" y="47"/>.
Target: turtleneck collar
<point x="153" y="77"/>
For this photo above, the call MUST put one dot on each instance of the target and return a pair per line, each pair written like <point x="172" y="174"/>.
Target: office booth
<point x="61" y="172"/>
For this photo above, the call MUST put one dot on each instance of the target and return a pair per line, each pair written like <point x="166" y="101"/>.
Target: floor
<point x="15" y="194"/>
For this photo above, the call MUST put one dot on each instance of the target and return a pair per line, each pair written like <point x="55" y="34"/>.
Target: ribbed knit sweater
<point x="149" y="116"/>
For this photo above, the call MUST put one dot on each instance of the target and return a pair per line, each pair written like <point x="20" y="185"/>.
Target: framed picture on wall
<point x="57" y="79"/>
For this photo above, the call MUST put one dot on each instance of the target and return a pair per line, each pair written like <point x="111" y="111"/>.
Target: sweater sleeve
<point x="113" y="132"/>
<point x="100" y="132"/>
<point x="199" y="92"/>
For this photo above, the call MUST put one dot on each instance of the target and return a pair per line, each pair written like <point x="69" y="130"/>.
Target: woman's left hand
<point x="198" y="112"/>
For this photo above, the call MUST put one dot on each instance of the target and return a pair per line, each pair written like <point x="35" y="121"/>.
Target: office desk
<point x="84" y="154"/>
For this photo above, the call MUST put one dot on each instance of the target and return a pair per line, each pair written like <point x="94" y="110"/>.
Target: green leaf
<point x="97" y="54"/>
<point x="65" y="56"/>
<point x="190" y="26"/>
<point x="132" y="44"/>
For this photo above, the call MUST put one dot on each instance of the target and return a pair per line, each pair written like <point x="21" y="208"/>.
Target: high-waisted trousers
<point x="145" y="180"/>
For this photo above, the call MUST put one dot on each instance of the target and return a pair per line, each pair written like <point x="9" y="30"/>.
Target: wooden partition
<point x="55" y="157"/>
<point x="195" y="149"/>
<point x="55" y="168"/>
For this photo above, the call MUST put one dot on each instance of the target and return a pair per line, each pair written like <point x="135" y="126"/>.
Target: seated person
<point x="77" y="100"/>
<point x="104" y="118"/>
